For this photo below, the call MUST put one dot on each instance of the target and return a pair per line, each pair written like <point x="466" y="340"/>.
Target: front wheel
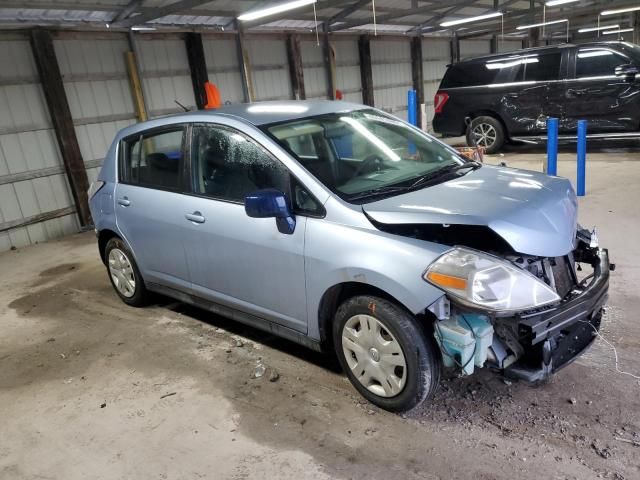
<point x="385" y="353"/>
<point x="486" y="132"/>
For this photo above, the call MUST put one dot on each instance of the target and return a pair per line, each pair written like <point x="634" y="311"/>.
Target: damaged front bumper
<point x="530" y="345"/>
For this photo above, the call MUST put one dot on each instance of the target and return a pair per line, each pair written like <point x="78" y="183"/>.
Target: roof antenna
<point x="186" y="109"/>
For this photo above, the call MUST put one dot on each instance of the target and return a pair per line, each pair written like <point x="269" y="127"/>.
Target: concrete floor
<point x="84" y="381"/>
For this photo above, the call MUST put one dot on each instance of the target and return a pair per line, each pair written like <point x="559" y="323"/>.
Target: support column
<point x="494" y="44"/>
<point x="197" y="66"/>
<point x="243" y="62"/>
<point x="416" y="71"/>
<point x="366" y="73"/>
<point x="56" y="98"/>
<point x="329" y="63"/>
<point x="636" y="28"/>
<point x="296" y="73"/>
<point x="455" y="48"/>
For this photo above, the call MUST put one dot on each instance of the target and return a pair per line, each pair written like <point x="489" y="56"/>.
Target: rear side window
<point x="542" y="67"/>
<point x="153" y="159"/>
<point x="469" y="75"/>
<point x="598" y="62"/>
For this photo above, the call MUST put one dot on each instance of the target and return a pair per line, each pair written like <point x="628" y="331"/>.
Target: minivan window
<point x="543" y="67"/>
<point x="153" y="159"/>
<point x="598" y="62"/>
<point x="363" y="151"/>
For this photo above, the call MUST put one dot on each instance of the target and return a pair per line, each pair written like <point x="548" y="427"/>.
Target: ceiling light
<point x="623" y="30"/>
<point x="525" y="27"/>
<point x="470" y="19"/>
<point x="595" y="29"/>
<point x="142" y="29"/>
<point x="553" y="3"/>
<point x="622" y="10"/>
<point x="283" y="7"/>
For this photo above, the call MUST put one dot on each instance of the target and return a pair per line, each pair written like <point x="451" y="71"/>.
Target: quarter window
<point x="597" y="62"/>
<point x="154" y="159"/>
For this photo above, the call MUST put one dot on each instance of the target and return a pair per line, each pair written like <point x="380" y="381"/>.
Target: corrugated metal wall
<point x="315" y="74"/>
<point x="391" y="65"/>
<point x="32" y="178"/>
<point x="270" y="70"/>
<point x="165" y="73"/>
<point x="348" y="68"/>
<point x="509" y="45"/>
<point x="436" y="55"/>
<point x="221" y="55"/>
<point x="95" y="79"/>
<point x="473" y="48"/>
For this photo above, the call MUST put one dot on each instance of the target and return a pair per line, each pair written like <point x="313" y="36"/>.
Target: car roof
<point x="539" y="49"/>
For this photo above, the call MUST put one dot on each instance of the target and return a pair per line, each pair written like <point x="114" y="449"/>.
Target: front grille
<point x="562" y="276"/>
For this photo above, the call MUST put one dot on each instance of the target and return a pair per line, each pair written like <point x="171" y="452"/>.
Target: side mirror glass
<point x="629" y="71"/>
<point x="271" y="203"/>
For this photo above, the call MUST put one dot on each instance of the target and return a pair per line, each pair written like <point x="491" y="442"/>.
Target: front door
<point x="596" y="94"/>
<point x="149" y="204"/>
<point x="239" y="261"/>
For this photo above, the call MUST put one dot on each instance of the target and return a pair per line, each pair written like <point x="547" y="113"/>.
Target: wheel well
<point x="489" y="113"/>
<point x="103" y="237"/>
<point x="335" y="296"/>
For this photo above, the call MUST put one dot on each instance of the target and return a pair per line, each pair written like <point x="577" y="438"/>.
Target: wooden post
<point x="245" y="67"/>
<point x="366" y="73"/>
<point x="136" y="86"/>
<point x="56" y="98"/>
<point x="455" y="48"/>
<point x="296" y="73"/>
<point x="329" y="63"/>
<point x="416" y="71"/>
<point x="494" y="44"/>
<point x="197" y="66"/>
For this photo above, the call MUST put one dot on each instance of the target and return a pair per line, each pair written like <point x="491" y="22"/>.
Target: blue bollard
<point x="552" y="146"/>
<point x="582" y="157"/>
<point x="412" y="114"/>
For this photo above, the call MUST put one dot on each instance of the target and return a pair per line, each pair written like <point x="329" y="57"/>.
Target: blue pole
<point x="582" y="157"/>
<point x="552" y="146"/>
<point x="412" y="115"/>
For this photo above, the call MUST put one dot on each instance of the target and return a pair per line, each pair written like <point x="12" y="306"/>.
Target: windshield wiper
<point x="429" y="177"/>
<point x="374" y="192"/>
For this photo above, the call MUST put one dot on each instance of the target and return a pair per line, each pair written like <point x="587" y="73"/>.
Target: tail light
<point x="439" y="100"/>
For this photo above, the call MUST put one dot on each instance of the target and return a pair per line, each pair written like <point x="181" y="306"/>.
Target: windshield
<point x="363" y="152"/>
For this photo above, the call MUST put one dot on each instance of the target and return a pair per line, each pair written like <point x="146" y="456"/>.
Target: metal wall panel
<point x="315" y="75"/>
<point x="269" y="66"/>
<point x="436" y="55"/>
<point x="97" y="86"/>
<point x="221" y="55"/>
<point x="165" y="73"/>
<point x="509" y="45"/>
<point x="32" y="179"/>
<point x="348" y="68"/>
<point x="474" y="48"/>
<point x="391" y="66"/>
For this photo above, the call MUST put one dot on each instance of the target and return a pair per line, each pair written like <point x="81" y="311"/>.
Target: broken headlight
<point x="487" y="281"/>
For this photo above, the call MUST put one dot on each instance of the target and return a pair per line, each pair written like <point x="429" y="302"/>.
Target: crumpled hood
<point x="534" y="213"/>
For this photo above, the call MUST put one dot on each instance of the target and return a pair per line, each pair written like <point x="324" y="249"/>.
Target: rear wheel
<point x="486" y="132"/>
<point x="124" y="274"/>
<point x="385" y="353"/>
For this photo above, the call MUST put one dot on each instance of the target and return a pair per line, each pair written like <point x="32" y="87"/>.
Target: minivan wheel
<point x="124" y="274"/>
<point x="385" y="353"/>
<point x="488" y="132"/>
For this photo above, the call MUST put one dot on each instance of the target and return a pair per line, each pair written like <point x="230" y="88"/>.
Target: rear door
<point x="594" y="92"/>
<point x="149" y="203"/>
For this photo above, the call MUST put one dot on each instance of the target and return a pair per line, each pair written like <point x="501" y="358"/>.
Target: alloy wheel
<point x="485" y="135"/>
<point x="374" y="355"/>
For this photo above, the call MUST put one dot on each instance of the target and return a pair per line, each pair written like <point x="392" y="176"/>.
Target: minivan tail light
<point x="439" y="101"/>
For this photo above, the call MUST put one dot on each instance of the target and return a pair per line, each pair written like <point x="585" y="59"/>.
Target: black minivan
<point x="509" y="96"/>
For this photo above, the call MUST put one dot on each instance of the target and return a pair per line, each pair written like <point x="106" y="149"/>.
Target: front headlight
<point x="488" y="282"/>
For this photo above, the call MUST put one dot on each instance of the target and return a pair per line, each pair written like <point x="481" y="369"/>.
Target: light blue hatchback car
<point x="340" y="227"/>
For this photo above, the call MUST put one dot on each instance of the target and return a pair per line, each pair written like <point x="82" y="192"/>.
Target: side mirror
<point x="628" y="71"/>
<point x="271" y="203"/>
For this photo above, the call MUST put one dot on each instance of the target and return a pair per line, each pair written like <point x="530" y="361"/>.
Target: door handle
<point x="124" y="201"/>
<point x="195" y="217"/>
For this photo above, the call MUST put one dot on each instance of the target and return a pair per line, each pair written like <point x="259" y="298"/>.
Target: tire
<point x="123" y="270"/>
<point x="489" y="134"/>
<point x="376" y="371"/>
